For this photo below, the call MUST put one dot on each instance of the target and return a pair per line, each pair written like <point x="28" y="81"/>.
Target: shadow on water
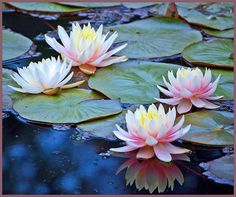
<point x="42" y="160"/>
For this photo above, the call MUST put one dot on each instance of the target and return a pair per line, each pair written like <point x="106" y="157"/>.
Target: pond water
<point x="39" y="159"/>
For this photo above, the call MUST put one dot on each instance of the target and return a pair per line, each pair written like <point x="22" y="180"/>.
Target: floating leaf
<point x="132" y="82"/>
<point x="190" y="5"/>
<point x="219" y="9"/>
<point x="136" y="5"/>
<point x="44" y="7"/>
<point x="70" y="106"/>
<point x="214" y="128"/>
<point x="220" y="170"/>
<point x="210" y="53"/>
<point x="103" y="127"/>
<point x="8" y="94"/>
<point x="155" y="37"/>
<point x="91" y="4"/>
<point x="215" y="22"/>
<point x="229" y="33"/>
<point x="14" y="44"/>
<point x="226" y="84"/>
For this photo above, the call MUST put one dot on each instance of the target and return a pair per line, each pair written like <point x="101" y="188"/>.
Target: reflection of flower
<point x="86" y="47"/>
<point x="189" y="88"/>
<point x="151" y="131"/>
<point x="47" y="76"/>
<point x="152" y="173"/>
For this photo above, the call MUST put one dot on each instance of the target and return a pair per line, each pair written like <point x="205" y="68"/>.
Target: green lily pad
<point x="229" y="33"/>
<point x="220" y="170"/>
<point x="91" y="4"/>
<point x="103" y="127"/>
<point x="212" y="21"/>
<point x="44" y="7"/>
<point x="190" y="5"/>
<point x="14" y="44"/>
<point x="155" y="37"/>
<point x="226" y="84"/>
<point x="8" y="94"/>
<point x="70" y="106"/>
<point x="132" y="82"/>
<point x="213" y="128"/>
<point x="219" y="8"/>
<point x="211" y="53"/>
<point x="136" y="5"/>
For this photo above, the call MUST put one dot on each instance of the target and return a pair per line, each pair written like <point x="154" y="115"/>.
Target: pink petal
<point x="164" y="91"/>
<point x="210" y="105"/>
<point x="214" y="97"/>
<point x="123" y="149"/>
<point x="174" y="149"/>
<point x="171" y="101"/>
<point x="151" y="141"/>
<point x="184" y="106"/>
<point x="197" y="102"/>
<point x="145" y="152"/>
<point x="185" y="93"/>
<point x="162" y="153"/>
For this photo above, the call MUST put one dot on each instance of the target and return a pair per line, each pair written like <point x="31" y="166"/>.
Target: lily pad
<point x="190" y="5"/>
<point x="14" y="44"/>
<point x="212" y="21"/>
<point x="213" y="128"/>
<point x="91" y="4"/>
<point x="220" y="170"/>
<point x="167" y="36"/>
<point x="136" y="5"/>
<point x="226" y="84"/>
<point x="70" y="106"/>
<point x="132" y="82"/>
<point x="103" y="127"/>
<point x="44" y="7"/>
<point x="211" y="53"/>
<point x="229" y="33"/>
<point x="219" y="8"/>
<point x="8" y="94"/>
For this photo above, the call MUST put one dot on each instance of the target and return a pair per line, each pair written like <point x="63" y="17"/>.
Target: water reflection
<point x="152" y="174"/>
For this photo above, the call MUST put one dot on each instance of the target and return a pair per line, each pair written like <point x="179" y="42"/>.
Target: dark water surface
<point x="42" y="160"/>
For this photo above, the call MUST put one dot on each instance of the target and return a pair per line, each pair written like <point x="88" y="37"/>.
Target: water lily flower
<point x="151" y="132"/>
<point x="48" y="76"/>
<point x="86" y="47"/>
<point x="189" y="88"/>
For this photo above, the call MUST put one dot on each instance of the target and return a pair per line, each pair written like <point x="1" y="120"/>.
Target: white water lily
<point x="86" y="47"/>
<point x="47" y="76"/>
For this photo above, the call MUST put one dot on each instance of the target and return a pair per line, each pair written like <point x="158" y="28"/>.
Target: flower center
<point x="88" y="33"/>
<point x="184" y="73"/>
<point x="148" y="115"/>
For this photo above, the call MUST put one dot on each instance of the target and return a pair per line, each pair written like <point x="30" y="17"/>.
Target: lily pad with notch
<point x="70" y="106"/>
<point x="46" y="7"/>
<point x="229" y="33"/>
<point x="132" y="82"/>
<point x="216" y="53"/>
<point x="14" y="45"/>
<point x="220" y="170"/>
<point x="166" y="37"/>
<point x="211" y="128"/>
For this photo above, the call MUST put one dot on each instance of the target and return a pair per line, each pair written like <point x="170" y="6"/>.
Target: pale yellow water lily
<point x="87" y="48"/>
<point x="151" y="131"/>
<point x="48" y="76"/>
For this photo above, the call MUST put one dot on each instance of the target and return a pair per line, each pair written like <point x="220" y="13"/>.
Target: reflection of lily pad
<point x="212" y="21"/>
<point x="221" y="170"/>
<point x="229" y="33"/>
<point x="44" y="7"/>
<point x="7" y="93"/>
<point x="91" y="4"/>
<point x="103" y="127"/>
<point x="210" y="128"/>
<point x="132" y="82"/>
<point x="211" y="53"/>
<point x="14" y="44"/>
<point x="155" y="37"/>
<point x="70" y="106"/>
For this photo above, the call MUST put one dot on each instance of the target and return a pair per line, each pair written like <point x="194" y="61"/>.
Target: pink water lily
<point x="151" y="132"/>
<point x="188" y="88"/>
<point x="86" y="47"/>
